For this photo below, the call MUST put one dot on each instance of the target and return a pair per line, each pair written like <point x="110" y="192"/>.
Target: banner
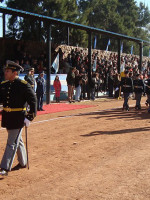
<point x="108" y="45"/>
<point x="121" y="50"/>
<point x="95" y="41"/>
<point x="94" y="64"/>
<point x="55" y="64"/>
<point x="131" y="49"/>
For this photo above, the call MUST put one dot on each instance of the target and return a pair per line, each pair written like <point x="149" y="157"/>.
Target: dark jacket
<point x="15" y="95"/>
<point x="147" y="86"/>
<point x="40" y="90"/>
<point x="138" y="86"/>
<point x="70" y="78"/>
<point x="78" y="79"/>
<point x="126" y="85"/>
<point x="110" y="81"/>
<point x="30" y="79"/>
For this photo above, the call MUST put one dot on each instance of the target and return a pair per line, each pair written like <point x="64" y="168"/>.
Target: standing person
<point x="14" y="94"/>
<point x="127" y="85"/>
<point x="116" y="85"/>
<point x="92" y="86"/>
<point x="40" y="91"/>
<point x="138" y="86"/>
<point x="30" y="78"/>
<point x="71" y="83"/>
<point x="147" y="90"/>
<point x="78" y="81"/>
<point x="57" y="87"/>
<point x="84" y="83"/>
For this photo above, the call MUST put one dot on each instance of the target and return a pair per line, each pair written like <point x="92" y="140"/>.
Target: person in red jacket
<point x="57" y="87"/>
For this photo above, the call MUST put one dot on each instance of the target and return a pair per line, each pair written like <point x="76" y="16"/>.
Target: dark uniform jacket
<point x="126" y="85"/>
<point x="78" y="79"/>
<point x="14" y="96"/>
<point x="110" y="81"/>
<point x="30" y="79"/>
<point x="40" y="90"/>
<point x="138" y="86"/>
<point x="70" y="78"/>
<point x="147" y="84"/>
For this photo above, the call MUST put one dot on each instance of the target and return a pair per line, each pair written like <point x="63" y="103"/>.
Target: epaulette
<point x="4" y="81"/>
<point x="25" y="82"/>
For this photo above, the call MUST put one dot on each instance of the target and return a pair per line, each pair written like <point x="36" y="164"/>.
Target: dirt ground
<point x="95" y="153"/>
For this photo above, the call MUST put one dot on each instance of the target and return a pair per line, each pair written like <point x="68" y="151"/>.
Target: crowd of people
<point x="105" y="76"/>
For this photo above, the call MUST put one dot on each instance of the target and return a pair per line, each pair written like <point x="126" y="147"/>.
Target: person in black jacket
<point x="138" y="86"/>
<point x="93" y="82"/>
<point x="127" y="88"/>
<point x="14" y="95"/>
<point x="147" y="90"/>
<point x="71" y="83"/>
<point x="30" y="78"/>
<point x="40" y="90"/>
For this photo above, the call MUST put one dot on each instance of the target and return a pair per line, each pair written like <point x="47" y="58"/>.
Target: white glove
<point x="26" y="122"/>
<point x="116" y="89"/>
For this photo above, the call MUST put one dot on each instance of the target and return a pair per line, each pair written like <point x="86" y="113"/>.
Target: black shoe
<point x="42" y="109"/>
<point x="18" y="166"/>
<point x="3" y="172"/>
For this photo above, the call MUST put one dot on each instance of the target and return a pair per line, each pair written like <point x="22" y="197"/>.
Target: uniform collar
<point x="16" y="78"/>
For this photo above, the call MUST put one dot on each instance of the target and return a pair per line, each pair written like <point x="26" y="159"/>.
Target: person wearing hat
<point x="138" y="88"/>
<point x="127" y="86"/>
<point x="30" y="78"/>
<point x="147" y="91"/>
<point x="14" y="94"/>
<point x="40" y="90"/>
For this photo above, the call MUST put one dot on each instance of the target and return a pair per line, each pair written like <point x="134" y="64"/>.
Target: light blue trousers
<point x="14" y="145"/>
<point x="77" y="93"/>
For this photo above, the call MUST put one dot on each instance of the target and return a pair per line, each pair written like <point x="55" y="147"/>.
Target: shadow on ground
<point x="123" y="131"/>
<point x="117" y="113"/>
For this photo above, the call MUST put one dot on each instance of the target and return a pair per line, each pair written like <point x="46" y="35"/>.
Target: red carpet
<point x="53" y="108"/>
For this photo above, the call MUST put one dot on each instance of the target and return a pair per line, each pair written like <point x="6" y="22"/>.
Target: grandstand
<point x="88" y="51"/>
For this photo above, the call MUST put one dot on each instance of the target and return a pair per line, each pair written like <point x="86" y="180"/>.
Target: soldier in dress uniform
<point x="138" y="86"/>
<point x="30" y="78"/>
<point x="147" y="90"/>
<point x="127" y="87"/>
<point x="40" y="91"/>
<point x="14" y="94"/>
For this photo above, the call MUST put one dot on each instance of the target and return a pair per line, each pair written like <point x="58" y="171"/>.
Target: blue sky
<point x="147" y="3"/>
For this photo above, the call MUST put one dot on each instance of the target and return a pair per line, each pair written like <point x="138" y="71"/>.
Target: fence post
<point x="141" y="55"/>
<point x="89" y="54"/>
<point x="119" y="55"/>
<point x="48" y="69"/>
<point x="4" y="29"/>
